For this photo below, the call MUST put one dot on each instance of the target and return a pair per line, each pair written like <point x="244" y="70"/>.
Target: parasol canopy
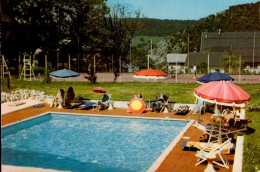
<point x="64" y="73"/>
<point x="99" y="90"/>
<point x="136" y="106"/>
<point x="150" y="74"/>
<point x="216" y="76"/>
<point x="220" y="92"/>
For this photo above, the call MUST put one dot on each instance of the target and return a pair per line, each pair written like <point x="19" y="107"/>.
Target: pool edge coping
<point x="165" y="153"/>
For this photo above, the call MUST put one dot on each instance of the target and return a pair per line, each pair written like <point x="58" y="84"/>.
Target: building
<point x="176" y="62"/>
<point x="214" y="45"/>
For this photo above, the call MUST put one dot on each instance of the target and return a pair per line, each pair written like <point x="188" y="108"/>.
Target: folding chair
<point x="201" y="105"/>
<point x="165" y="104"/>
<point x="210" y="130"/>
<point x="202" y="154"/>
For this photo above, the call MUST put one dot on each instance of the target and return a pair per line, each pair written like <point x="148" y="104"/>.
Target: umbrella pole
<point x="198" y="116"/>
<point x="149" y="93"/>
<point x="219" y="135"/>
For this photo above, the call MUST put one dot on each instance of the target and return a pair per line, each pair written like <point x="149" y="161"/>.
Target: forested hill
<point x="239" y="18"/>
<point x="157" y="27"/>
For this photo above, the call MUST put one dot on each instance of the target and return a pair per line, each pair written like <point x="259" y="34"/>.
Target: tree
<point x="31" y="24"/>
<point x="230" y="63"/>
<point x="121" y="28"/>
<point x="203" y="66"/>
<point x="139" y="58"/>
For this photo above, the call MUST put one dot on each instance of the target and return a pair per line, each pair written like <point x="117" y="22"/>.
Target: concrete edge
<point x="238" y="159"/>
<point x="162" y="157"/>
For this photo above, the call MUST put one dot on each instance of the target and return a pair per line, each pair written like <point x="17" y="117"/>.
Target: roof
<point x="198" y="57"/>
<point x="246" y="44"/>
<point x="181" y="58"/>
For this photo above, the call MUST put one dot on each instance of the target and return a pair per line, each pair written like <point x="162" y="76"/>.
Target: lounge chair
<point x="202" y="154"/>
<point x="158" y="105"/>
<point x="201" y="105"/>
<point x="87" y="105"/>
<point x="190" y="145"/>
<point x="212" y="132"/>
<point x="182" y="110"/>
<point x="165" y="104"/>
<point x="162" y="100"/>
<point x="104" y="103"/>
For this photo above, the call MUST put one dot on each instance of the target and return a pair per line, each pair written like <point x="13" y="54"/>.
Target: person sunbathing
<point x="70" y="96"/>
<point x="59" y="98"/>
<point x="182" y="109"/>
<point x="158" y="105"/>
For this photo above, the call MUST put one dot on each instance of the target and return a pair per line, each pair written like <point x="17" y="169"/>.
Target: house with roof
<point x="176" y="62"/>
<point x="214" y="45"/>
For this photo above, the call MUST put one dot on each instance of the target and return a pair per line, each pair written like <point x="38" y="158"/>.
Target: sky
<point x="178" y="9"/>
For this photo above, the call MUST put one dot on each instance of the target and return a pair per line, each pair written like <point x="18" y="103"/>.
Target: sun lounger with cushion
<point x="202" y="154"/>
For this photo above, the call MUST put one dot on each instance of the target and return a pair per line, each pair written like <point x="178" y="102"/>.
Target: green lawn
<point x="179" y="92"/>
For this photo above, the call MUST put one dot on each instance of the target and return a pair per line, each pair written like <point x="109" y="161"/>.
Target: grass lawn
<point x="178" y="92"/>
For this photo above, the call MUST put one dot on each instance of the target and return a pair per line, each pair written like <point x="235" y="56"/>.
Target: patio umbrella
<point x="99" y="90"/>
<point x="223" y="93"/>
<point x="136" y="106"/>
<point x="64" y="73"/>
<point x="216" y="76"/>
<point x="150" y="74"/>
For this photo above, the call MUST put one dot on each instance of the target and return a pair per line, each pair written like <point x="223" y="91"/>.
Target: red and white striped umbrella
<point x="222" y="92"/>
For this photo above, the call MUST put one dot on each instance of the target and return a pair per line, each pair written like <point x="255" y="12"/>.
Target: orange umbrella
<point x="136" y="106"/>
<point x="150" y="74"/>
<point x="99" y="90"/>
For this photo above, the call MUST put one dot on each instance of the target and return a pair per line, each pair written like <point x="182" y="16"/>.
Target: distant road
<point x="182" y="78"/>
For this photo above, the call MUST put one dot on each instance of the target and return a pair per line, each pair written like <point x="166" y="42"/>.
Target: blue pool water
<point x="87" y="143"/>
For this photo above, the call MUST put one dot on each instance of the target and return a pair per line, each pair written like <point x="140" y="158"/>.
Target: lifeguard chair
<point x="4" y="69"/>
<point x="27" y="71"/>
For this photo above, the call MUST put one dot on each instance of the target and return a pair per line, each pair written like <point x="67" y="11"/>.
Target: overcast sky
<point x="178" y="9"/>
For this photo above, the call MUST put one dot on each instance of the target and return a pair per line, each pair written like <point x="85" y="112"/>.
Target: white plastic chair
<point x="217" y="152"/>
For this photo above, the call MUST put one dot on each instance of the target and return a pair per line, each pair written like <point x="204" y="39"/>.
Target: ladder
<point x="4" y="69"/>
<point x="27" y="70"/>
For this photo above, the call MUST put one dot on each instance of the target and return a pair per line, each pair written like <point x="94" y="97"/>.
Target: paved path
<point x="182" y="78"/>
<point x="9" y="107"/>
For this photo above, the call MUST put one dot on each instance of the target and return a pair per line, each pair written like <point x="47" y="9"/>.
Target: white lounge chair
<point x="218" y="152"/>
<point x="210" y="130"/>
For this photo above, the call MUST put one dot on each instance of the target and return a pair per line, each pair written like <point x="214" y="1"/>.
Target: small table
<point x="166" y="108"/>
<point x="110" y="104"/>
<point x="210" y="158"/>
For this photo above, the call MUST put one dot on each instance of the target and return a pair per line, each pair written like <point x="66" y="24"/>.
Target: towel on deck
<point x="208" y="146"/>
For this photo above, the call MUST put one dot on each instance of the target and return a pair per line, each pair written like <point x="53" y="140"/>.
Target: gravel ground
<point x="182" y="78"/>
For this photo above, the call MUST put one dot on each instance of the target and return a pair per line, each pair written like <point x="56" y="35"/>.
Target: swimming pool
<point x="87" y="142"/>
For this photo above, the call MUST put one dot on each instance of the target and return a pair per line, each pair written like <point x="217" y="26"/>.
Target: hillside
<point x="239" y="18"/>
<point x="157" y="27"/>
